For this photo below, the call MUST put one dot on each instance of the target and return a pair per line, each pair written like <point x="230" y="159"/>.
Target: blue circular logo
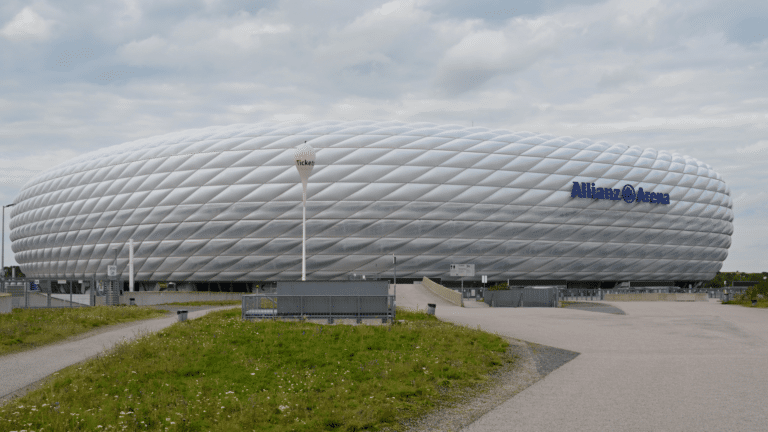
<point x="628" y="193"/>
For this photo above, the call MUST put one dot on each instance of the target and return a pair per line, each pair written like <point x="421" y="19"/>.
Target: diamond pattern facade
<point x="224" y="203"/>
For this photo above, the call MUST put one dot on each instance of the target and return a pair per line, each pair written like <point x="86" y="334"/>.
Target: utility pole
<point x="2" y="260"/>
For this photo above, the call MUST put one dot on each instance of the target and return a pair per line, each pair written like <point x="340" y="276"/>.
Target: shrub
<point x="760" y="289"/>
<point x="499" y="287"/>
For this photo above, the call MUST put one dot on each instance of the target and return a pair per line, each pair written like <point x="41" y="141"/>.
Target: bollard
<point x="431" y="308"/>
<point x="181" y="315"/>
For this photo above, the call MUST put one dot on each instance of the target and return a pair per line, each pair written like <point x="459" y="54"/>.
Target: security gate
<point x="112" y="292"/>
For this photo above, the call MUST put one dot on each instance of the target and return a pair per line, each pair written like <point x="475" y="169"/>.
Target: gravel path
<point x="528" y="363"/>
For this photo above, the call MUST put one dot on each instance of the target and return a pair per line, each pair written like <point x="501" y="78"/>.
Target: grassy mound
<point x="25" y="329"/>
<point x="221" y="373"/>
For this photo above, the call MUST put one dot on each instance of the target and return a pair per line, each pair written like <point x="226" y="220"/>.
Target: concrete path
<point x="19" y="370"/>
<point x="664" y="366"/>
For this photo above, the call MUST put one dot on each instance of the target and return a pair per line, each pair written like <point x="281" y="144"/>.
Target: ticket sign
<point x="112" y="271"/>
<point x="462" y="270"/>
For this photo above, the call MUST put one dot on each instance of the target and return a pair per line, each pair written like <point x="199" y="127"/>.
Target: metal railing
<point x="720" y="293"/>
<point x="581" y="294"/>
<point x="28" y="293"/>
<point x="599" y="294"/>
<point x="330" y="307"/>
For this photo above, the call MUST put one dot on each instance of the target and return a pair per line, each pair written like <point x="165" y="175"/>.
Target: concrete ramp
<point x="416" y="296"/>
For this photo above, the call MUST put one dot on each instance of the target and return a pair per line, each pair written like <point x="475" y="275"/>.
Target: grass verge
<point x="221" y="373"/>
<point x="25" y="329"/>
<point x="761" y="303"/>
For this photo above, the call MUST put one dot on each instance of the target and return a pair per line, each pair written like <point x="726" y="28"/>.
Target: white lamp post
<point x="305" y="161"/>
<point x="130" y="265"/>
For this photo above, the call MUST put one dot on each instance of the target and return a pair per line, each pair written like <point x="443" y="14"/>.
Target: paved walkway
<point x="664" y="366"/>
<point x="19" y="370"/>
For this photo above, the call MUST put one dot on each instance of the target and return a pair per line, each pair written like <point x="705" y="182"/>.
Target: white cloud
<point x="759" y="148"/>
<point x="247" y="34"/>
<point x="15" y="171"/>
<point x="482" y="54"/>
<point x="202" y="44"/>
<point x="27" y="24"/>
<point x="668" y="75"/>
<point x="394" y="7"/>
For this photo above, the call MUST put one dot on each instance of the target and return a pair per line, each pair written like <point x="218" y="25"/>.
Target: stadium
<point x="224" y="204"/>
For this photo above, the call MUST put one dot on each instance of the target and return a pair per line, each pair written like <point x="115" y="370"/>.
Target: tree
<point x="8" y="272"/>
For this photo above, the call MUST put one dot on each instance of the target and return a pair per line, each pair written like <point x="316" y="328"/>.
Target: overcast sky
<point x="685" y="76"/>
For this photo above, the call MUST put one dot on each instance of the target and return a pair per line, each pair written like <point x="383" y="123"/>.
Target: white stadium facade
<point x="225" y="204"/>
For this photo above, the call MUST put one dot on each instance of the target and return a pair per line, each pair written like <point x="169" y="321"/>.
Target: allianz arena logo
<point x="627" y="193"/>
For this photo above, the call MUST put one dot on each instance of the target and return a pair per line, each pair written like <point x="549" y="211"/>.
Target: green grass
<point x="761" y="303"/>
<point x="221" y="373"/>
<point x="206" y="303"/>
<point x="25" y="329"/>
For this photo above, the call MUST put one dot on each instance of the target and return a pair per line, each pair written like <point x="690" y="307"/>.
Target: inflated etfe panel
<point x="224" y="203"/>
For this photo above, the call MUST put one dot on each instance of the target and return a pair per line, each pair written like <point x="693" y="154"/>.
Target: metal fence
<point x="328" y="307"/>
<point x="522" y="297"/>
<point x="582" y="294"/>
<point x="548" y="297"/>
<point x="27" y="293"/>
<point x="599" y="294"/>
<point x="721" y="293"/>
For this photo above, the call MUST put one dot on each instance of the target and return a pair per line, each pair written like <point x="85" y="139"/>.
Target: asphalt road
<point x="663" y="366"/>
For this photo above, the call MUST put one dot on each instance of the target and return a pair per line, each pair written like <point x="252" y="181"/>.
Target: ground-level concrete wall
<point x="446" y="293"/>
<point x="656" y="297"/>
<point x="6" y="303"/>
<point x="149" y="298"/>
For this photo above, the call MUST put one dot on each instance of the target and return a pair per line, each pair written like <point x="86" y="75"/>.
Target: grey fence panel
<point x="526" y="297"/>
<point x="330" y="306"/>
<point x="540" y="297"/>
<point x="504" y="298"/>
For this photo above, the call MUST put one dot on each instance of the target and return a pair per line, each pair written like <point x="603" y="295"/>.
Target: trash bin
<point x="754" y="302"/>
<point x="431" y="308"/>
<point x="181" y="315"/>
<point x="725" y="295"/>
<point x="133" y="302"/>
